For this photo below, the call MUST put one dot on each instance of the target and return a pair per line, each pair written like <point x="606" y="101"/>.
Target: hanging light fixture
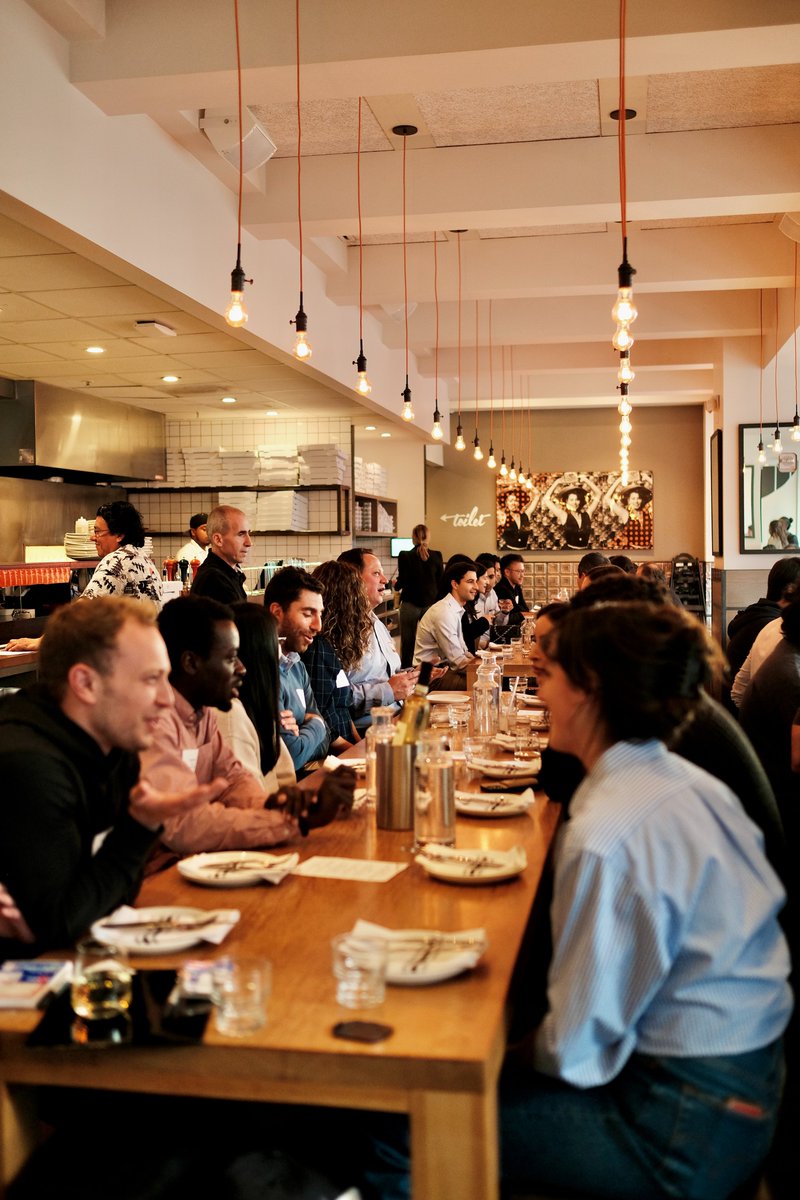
<point x="477" y="453"/>
<point x="405" y="132"/>
<point x="796" y="418"/>
<point x="777" y="444"/>
<point x="363" y="385"/>
<point x="521" y="472"/>
<point x="512" y="470"/>
<point x="624" y="312"/>
<point x="236" y="311"/>
<point x="302" y="347"/>
<point x="460" y="444"/>
<point x="503" y="467"/>
<point x="436" y="432"/>
<point x="491" y="462"/>
<point x="762" y="457"/>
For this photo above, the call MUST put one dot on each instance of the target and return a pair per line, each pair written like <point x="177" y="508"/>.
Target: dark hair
<point x="189" y="623"/>
<point x="624" y="563"/>
<point x="601" y="572"/>
<point x="123" y="519"/>
<point x="784" y="572"/>
<point x="645" y="494"/>
<point x="355" y="557"/>
<point x="616" y="587"/>
<point x="488" y="559"/>
<point x="287" y="584"/>
<point x="197" y="520"/>
<point x="645" y="664"/>
<point x="260" y="688"/>
<point x="454" y="560"/>
<point x="790" y="622"/>
<point x="508" y="560"/>
<point x="454" y="572"/>
<point x="555" y="610"/>
<point x="86" y="633"/>
<point x="648" y="570"/>
<point x="593" y="559"/>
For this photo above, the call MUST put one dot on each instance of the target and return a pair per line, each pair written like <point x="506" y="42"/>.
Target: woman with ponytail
<point x="419" y="573"/>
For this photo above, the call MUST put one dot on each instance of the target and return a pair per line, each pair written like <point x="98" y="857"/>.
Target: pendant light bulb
<point x="795" y="434"/>
<point x="503" y="467"/>
<point x="521" y="476"/>
<point x="625" y="425"/>
<point x="624" y="311"/>
<point x="777" y="444"/>
<point x="762" y="457"/>
<point x="491" y="461"/>
<point x="623" y="338"/>
<point x="624" y="408"/>
<point x="301" y="348"/>
<point x="363" y="385"/>
<point x="408" y="411"/>
<point x="437" y="432"/>
<point x="460" y="443"/>
<point x="236" y="312"/>
<point x="512" y="472"/>
<point x="477" y="453"/>
<point x="625" y="374"/>
<point x="529" y="483"/>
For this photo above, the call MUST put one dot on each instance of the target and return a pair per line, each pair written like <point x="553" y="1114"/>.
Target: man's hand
<point x="12" y="922"/>
<point x="151" y="808"/>
<point x="335" y="797"/>
<point x="505" y="605"/>
<point x="24" y="644"/>
<point x="403" y="684"/>
<point x="288" y="722"/>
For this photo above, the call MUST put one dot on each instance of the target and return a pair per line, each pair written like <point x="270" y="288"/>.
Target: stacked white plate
<point x="79" y="545"/>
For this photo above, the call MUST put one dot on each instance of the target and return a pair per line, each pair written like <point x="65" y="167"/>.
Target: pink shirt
<point x="188" y="749"/>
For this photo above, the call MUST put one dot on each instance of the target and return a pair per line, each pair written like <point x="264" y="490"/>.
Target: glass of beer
<point x="101" y="981"/>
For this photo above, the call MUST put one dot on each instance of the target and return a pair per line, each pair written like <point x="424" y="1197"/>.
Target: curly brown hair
<point x="346" y="621"/>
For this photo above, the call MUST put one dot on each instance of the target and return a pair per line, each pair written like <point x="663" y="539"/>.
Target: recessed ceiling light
<point x="371" y="428"/>
<point x="228" y="399"/>
<point x="271" y="412"/>
<point x="170" y="378"/>
<point x="386" y="435"/>
<point x="95" y="350"/>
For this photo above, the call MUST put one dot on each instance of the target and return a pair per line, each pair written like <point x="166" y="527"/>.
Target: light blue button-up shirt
<point x="369" y="678"/>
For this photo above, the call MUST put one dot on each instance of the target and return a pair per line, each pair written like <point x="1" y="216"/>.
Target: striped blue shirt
<point x="665" y="934"/>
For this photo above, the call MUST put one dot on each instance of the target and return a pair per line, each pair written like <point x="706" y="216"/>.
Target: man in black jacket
<point x="747" y="624"/>
<point x="221" y="576"/>
<point x="76" y="825"/>
<point x="508" y="588"/>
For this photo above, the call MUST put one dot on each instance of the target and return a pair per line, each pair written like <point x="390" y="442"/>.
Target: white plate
<point x="472" y="866"/>
<point x="507" y="769"/>
<point x="493" y="804"/>
<point x="144" y="941"/>
<point x="418" y="957"/>
<point x="236" y="868"/>
<point x="448" y="697"/>
<point x="533" y="701"/>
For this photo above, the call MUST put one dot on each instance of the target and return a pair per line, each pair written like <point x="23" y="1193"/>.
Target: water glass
<point x="526" y="741"/>
<point x="101" y="982"/>
<point x="240" y="991"/>
<point x="434" y="797"/>
<point x="359" y="967"/>
<point x="381" y="730"/>
<point x="458" y="716"/>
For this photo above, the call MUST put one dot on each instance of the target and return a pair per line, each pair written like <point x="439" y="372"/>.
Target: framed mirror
<point x="769" y="512"/>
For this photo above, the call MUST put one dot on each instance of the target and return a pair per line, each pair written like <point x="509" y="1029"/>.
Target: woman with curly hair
<point x="346" y="628"/>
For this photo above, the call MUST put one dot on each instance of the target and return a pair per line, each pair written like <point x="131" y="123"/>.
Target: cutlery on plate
<point x="165" y="924"/>
<point x="470" y="859"/>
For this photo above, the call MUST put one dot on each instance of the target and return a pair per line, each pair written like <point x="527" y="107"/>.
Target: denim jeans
<point x="694" y="1128"/>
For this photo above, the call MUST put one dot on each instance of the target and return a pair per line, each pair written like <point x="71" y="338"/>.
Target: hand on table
<point x="24" y="644"/>
<point x="12" y="922"/>
<point x="151" y="808"/>
<point x="334" y="798"/>
<point x="288" y="722"/>
<point x="505" y="605"/>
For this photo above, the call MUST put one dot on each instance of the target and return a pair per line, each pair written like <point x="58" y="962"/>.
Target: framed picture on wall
<point x="576" y="510"/>
<point x="715" y="479"/>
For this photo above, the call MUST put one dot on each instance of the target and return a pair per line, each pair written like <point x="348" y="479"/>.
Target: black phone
<point x="362" y="1031"/>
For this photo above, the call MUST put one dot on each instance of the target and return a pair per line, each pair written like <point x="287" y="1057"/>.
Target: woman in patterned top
<point x="123" y="570"/>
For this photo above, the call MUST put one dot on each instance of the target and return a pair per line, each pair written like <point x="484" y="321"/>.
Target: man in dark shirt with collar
<point x="508" y="588"/>
<point x="221" y="576"/>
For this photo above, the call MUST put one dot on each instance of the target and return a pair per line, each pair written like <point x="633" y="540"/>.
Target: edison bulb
<point x="623" y="339"/>
<point x="363" y="386"/>
<point x="491" y="461"/>
<point x="477" y="453"/>
<point x="625" y="425"/>
<point x="460" y="443"/>
<point x="624" y="311"/>
<point x="762" y="457"/>
<point x="503" y="467"/>
<point x="408" y="412"/>
<point x="512" y="472"/>
<point x="625" y="408"/>
<point x="777" y="444"/>
<point x="795" y="434"/>
<point x="437" y="432"/>
<point x="625" y="374"/>
<point x="301" y="348"/>
<point x="236" y="313"/>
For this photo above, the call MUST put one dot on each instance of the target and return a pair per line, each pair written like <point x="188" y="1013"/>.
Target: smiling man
<point x="203" y="644"/>
<point x="76" y="825"/>
<point x="295" y="600"/>
<point x="439" y="633"/>
<point x="221" y="577"/>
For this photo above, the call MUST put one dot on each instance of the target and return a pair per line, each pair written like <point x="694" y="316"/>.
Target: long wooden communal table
<point x="441" y="1064"/>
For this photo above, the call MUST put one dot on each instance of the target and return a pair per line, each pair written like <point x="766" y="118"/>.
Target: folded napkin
<point x="215" y="932"/>
<point x="478" y="800"/>
<point x="506" y="740"/>
<point x="462" y="859"/>
<point x="332" y="763"/>
<point x="426" y="955"/>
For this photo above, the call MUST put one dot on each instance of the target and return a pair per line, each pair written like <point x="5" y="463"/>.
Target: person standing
<point x="419" y="573"/>
<point x="221" y="577"/>
<point x="197" y="546"/>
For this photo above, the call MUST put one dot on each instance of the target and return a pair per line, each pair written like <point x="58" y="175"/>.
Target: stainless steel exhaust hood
<point x="47" y="431"/>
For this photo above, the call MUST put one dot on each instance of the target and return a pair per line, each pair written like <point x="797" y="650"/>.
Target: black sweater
<point x="59" y="790"/>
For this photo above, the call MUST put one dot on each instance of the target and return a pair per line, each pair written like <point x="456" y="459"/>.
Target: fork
<point x="164" y="925"/>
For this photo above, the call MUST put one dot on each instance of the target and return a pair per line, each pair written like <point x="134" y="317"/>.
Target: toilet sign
<point x="472" y="519"/>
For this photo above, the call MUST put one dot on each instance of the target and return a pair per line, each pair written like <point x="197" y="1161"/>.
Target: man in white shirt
<point x="197" y="546"/>
<point x="377" y="678"/>
<point x="439" y="633"/>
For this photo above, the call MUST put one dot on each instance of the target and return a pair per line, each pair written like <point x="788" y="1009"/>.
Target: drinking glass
<point x="359" y="967"/>
<point x="240" y="991"/>
<point x="381" y="730"/>
<point x="434" y="799"/>
<point x="101" y="981"/>
<point x="526" y="741"/>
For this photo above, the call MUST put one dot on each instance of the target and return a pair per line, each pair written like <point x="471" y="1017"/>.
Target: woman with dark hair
<point x="346" y="627"/>
<point x="572" y="499"/>
<point x="657" y="1069"/>
<point x="123" y="570"/>
<point x="476" y="626"/>
<point x="252" y="727"/>
<point x="418" y="574"/>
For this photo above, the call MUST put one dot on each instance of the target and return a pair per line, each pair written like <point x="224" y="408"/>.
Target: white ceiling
<point x="515" y="147"/>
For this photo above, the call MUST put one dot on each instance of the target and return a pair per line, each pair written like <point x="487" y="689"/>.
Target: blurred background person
<point x="419" y="572"/>
<point x="197" y="546"/>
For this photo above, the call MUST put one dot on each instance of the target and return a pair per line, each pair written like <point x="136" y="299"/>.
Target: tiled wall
<point x="171" y="510"/>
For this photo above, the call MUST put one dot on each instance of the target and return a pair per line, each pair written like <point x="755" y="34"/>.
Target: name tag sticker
<point x="301" y="696"/>
<point x="342" y="680"/>
<point x="189" y="756"/>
